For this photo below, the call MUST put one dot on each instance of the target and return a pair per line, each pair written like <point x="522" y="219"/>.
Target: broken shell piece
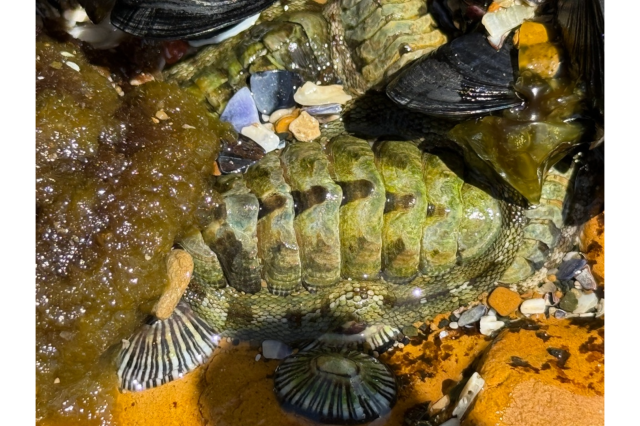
<point x="468" y="394"/>
<point x="311" y="94"/>
<point x="586" y="279"/>
<point x="600" y="309"/>
<point x="241" y="111"/>
<point x="305" y="128"/>
<point x="264" y="137"/>
<point x="489" y="324"/>
<point x="327" y="109"/>
<point x="179" y="271"/>
<point x="533" y="306"/>
<point x="440" y="405"/>
<point x="499" y="23"/>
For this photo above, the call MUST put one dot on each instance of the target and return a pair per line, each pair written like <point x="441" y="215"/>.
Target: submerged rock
<point x="522" y="369"/>
<point x="504" y="301"/>
<point x="241" y="110"/>
<point x="273" y="90"/>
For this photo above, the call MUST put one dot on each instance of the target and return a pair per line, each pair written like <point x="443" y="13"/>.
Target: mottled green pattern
<point x="206" y="266"/>
<point x="400" y="165"/>
<point x="363" y="206"/>
<point x="444" y="213"/>
<point x="277" y="246"/>
<point x="480" y="224"/>
<point x="318" y="199"/>
<point x="232" y="236"/>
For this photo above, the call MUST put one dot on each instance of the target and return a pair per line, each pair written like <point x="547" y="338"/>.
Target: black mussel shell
<point x="181" y="19"/>
<point x="582" y="26"/>
<point x="464" y="77"/>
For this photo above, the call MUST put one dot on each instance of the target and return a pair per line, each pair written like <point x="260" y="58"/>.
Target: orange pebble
<point x="282" y="125"/>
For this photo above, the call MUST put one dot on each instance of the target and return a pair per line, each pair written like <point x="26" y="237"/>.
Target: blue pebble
<point x="273" y="90"/>
<point x="327" y="109"/>
<point x="241" y="110"/>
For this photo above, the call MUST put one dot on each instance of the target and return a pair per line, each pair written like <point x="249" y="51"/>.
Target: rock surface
<point x="592" y="244"/>
<point x="526" y="385"/>
<point x="305" y="128"/>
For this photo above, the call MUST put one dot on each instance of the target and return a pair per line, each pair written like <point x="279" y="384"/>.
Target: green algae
<point x="115" y="187"/>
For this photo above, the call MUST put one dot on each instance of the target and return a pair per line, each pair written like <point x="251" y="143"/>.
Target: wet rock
<point x="570" y="300"/>
<point x="274" y="349"/>
<point x="179" y="271"/>
<point x="472" y="315"/>
<point x="273" y="90"/>
<point x="261" y="135"/>
<point x="305" y="128"/>
<point x="311" y="94"/>
<point x="241" y="110"/>
<point x="410" y="331"/>
<point x="516" y="394"/>
<point x="533" y="306"/>
<point x="504" y="301"/>
<point x="600" y="309"/>
<point x="592" y="244"/>
<point x="586" y="279"/>
<point x="585" y="302"/>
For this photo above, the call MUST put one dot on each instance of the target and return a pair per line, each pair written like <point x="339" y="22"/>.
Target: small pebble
<point x="533" y="306"/>
<point x="571" y="255"/>
<point x="305" y="128"/>
<point x="161" y="115"/>
<point x="440" y="405"/>
<point x="72" y="65"/>
<point x="586" y="302"/>
<point x="258" y="357"/>
<point x="600" y="309"/>
<point x="264" y="137"/>
<point x="322" y="119"/>
<point x="179" y="265"/>
<point x="277" y="115"/>
<point x="547" y="287"/>
<point x="274" y="349"/>
<point x="273" y="90"/>
<point x="311" y="94"/>
<point x="283" y="123"/>
<point x="410" y="331"/>
<point x="241" y="110"/>
<point x="570" y="300"/>
<point x="375" y="354"/>
<point x="504" y="301"/>
<point x="327" y="109"/>
<point x="472" y="315"/>
<point x="453" y="325"/>
<point x="489" y="324"/>
<point x="560" y="314"/>
<point x="56" y="381"/>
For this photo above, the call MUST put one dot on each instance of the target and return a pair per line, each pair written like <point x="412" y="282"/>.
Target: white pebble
<point x="468" y="394"/>
<point x="311" y="94"/>
<point x="262" y="136"/>
<point x="278" y="114"/>
<point x="489" y="324"/>
<point x="453" y="325"/>
<point x="258" y="357"/>
<point x="533" y="306"/>
<point x="73" y="65"/>
<point x="586" y="303"/>
<point x="265" y="117"/>
<point x="274" y="349"/>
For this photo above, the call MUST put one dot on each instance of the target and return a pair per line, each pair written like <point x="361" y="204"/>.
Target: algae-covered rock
<point x="115" y="186"/>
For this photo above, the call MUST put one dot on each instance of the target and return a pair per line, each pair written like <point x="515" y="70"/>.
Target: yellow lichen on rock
<point x="592" y="244"/>
<point x="524" y="370"/>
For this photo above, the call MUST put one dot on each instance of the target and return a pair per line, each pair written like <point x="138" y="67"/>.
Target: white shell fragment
<point x="600" y="309"/>
<point x="533" y="306"/>
<point x="500" y="22"/>
<point x="468" y="394"/>
<point x="274" y="349"/>
<point x="311" y="94"/>
<point x="278" y="114"/>
<point x="262" y="136"/>
<point x="489" y="324"/>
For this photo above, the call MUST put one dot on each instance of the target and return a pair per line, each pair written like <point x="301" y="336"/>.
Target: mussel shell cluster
<point x="182" y="19"/>
<point x="464" y="77"/>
